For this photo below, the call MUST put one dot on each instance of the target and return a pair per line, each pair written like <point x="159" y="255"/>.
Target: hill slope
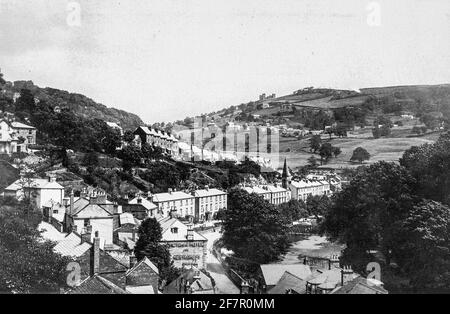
<point x="79" y="104"/>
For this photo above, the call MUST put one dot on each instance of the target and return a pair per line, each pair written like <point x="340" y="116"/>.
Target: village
<point x="99" y="232"/>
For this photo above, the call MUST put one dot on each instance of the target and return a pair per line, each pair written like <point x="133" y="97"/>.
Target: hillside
<point x="81" y="105"/>
<point x="418" y="100"/>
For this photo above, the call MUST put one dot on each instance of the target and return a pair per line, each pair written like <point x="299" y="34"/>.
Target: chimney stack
<point x="71" y="201"/>
<point x="190" y="234"/>
<point x="133" y="261"/>
<point x="86" y="236"/>
<point x="346" y="272"/>
<point x="50" y="214"/>
<point x="95" y="256"/>
<point x="169" y="190"/>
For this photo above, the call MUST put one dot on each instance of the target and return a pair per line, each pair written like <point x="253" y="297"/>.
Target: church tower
<point x="285" y="178"/>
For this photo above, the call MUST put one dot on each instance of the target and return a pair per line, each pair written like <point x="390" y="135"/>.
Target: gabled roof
<point x="71" y="246"/>
<point x="361" y="285"/>
<point x="167" y="223"/>
<point x="273" y="272"/>
<point x="144" y="202"/>
<point x="289" y="282"/>
<point x="82" y="208"/>
<point x="97" y="285"/>
<point x="18" y="125"/>
<point x="35" y="184"/>
<point x="144" y="261"/>
<point x="196" y="278"/>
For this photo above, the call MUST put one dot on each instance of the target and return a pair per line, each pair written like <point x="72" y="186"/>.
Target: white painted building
<point x="274" y="194"/>
<point x="174" y="202"/>
<point x="40" y="191"/>
<point x="302" y="189"/>
<point x="208" y="202"/>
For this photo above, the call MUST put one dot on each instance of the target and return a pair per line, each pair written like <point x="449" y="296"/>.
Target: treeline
<point x="402" y="211"/>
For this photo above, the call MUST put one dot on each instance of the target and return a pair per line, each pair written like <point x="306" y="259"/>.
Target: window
<point x="30" y="132"/>
<point x="86" y="222"/>
<point x="55" y="211"/>
<point x="174" y="230"/>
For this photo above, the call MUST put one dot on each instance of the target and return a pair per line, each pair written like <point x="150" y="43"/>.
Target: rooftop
<point x="170" y="196"/>
<point x="272" y="273"/>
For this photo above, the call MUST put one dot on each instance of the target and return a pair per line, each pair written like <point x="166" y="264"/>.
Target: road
<point x="223" y="284"/>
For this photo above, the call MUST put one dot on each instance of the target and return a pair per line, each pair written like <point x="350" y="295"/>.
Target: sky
<point x="168" y="59"/>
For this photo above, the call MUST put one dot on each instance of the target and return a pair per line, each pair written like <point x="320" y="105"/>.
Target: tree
<point x="312" y="161"/>
<point x="26" y="101"/>
<point x="367" y="213"/>
<point x="325" y="152"/>
<point x="424" y="245"/>
<point x="429" y="164"/>
<point x="131" y="157"/>
<point x="91" y="159"/>
<point x="148" y="245"/>
<point x="315" y="143"/>
<point x="293" y="211"/>
<point x="253" y="228"/>
<point x="417" y="130"/>
<point x="110" y="139"/>
<point x="128" y="136"/>
<point x="336" y="151"/>
<point x="376" y="132"/>
<point x="28" y="263"/>
<point x="360" y="154"/>
<point x="318" y="205"/>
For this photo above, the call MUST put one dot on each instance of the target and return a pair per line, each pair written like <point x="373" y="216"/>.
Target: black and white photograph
<point x="244" y="149"/>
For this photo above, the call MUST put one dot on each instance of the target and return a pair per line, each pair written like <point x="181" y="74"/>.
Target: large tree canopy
<point x="253" y="228"/>
<point x="367" y="212"/>
<point x="430" y="165"/>
<point x="27" y="262"/>
<point x="423" y="249"/>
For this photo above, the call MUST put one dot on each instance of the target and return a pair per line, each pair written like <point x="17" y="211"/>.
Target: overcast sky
<point x="168" y="59"/>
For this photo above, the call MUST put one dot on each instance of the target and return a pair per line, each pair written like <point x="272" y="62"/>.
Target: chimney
<point x="50" y="214"/>
<point x="190" y="234"/>
<point x="346" y="272"/>
<point x="245" y="287"/>
<point x="65" y="201"/>
<point x="169" y="190"/>
<point x="207" y="187"/>
<point x="133" y="261"/>
<point x="86" y="236"/>
<point x="95" y="256"/>
<point x="71" y="201"/>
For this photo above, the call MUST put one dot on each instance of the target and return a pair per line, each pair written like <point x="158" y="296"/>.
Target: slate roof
<point x="360" y="285"/>
<point x="97" y="285"/>
<point x="201" y="283"/>
<point x="289" y="282"/>
<point x="144" y="202"/>
<point x="84" y="209"/>
<point x="140" y="289"/>
<point x="71" y="246"/>
<point x="208" y="192"/>
<point x="166" y="224"/>
<point x="145" y="261"/>
<point x="272" y="273"/>
<point x="174" y="196"/>
<point x="35" y="184"/>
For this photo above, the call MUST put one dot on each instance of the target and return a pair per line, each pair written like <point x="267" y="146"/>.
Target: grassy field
<point x="389" y="149"/>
